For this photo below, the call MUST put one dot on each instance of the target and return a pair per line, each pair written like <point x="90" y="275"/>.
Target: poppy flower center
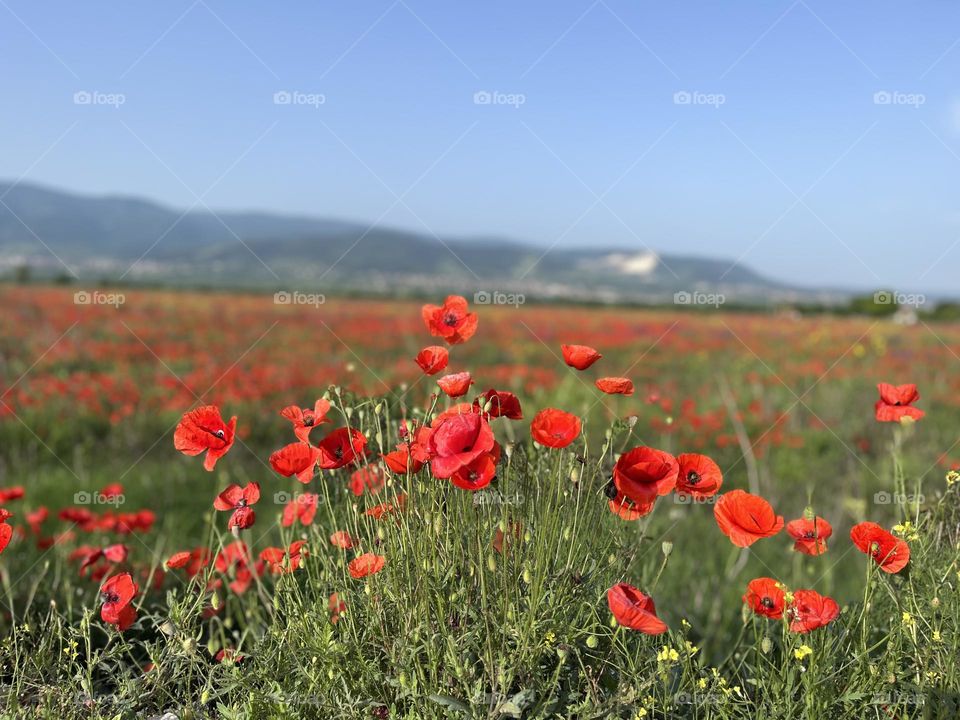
<point x="338" y="453"/>
<point x="693" y="477"/>
<point x="611" y="490"/>
<point x="219" y="433"/>
<point x="810" y="535"/>
<point x="109" y="598"/>
<point x="874" y="548"/>
<point x="308" y="420"/>
<point x="450" y="320"/>
<point x="767" y="603"/>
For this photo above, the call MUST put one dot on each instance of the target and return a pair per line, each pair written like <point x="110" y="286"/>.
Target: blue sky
<point x="819" y="142"/>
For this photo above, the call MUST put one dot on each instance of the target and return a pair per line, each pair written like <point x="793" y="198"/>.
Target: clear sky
<point x="817" y="140"/>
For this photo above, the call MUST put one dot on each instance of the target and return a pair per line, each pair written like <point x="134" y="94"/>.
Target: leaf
<point x="450" y="702"/>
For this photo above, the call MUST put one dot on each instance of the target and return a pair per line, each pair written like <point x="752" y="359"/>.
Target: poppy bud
<point x="189" y="645"/>
<point x="491" y="563"/>
<point x="766" y="645"/>
<point x="215" y="601"/>
<point x="168" y="628"/>
<point x="527" y="576"/>
<point x="667" y="548"/>
<point x="508" y="449"/>
<point x="592" y="641"/>
<point x="379" y="438"/>
<point x="378" y="408"/>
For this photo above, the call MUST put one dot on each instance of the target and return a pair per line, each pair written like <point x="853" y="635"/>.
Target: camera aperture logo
<point x="95" y="297"/>
<point x="295" y="297"/>
<point x="699" y="298"/>
<point x="495" y="297"/>
<point x="95" y="97"/>
<point x="495" y="97"/>
<point x="296" y="97"/>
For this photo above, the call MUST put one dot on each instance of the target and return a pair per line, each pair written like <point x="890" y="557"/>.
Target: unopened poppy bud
<point x="215" y="601"/>
<point x="632" y="420"/>
<point x="381" y="534"/>
<point x="366" y="589"/>
<point x="508" y="449"/>
<point x="667" y="548"/>
<point x="491" y="563"/>
<point x="168" y="628"/>
<point x="402" y="679"/>
<point x="348" y="412"/>
<point x="189" y="645"/>
<point x="527" y="576"/>
<point x="668" y="420"/>
<point x="611" y="559"/>
<point x="204" y="697"/>
<point x="766" y="645"/>
<point x="592" y="641"/>
<point x="487" y="405"/>
<point x="378" y="408"/>
<point x="379" y="438"/>
<point x="567" y="534"/>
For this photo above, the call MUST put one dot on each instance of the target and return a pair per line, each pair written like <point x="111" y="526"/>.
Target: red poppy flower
<point x="235" y="559"/>
<point x="811" y="610"/>
<point x="193" y="560"/>
<point x="615" y="385"/>
<point x="745" y="518"/>
<point x="302" y="507"/>
<point x="433" y="359"/>
<point x="11" y="493"/>
<point x="478" y="473"/>
<point x="401" y="461"/>
<point x="280" y="561"/>
<point x="341" y="539"/>
<point x="342" y="447"/>
<point x="699" y="476"/>
<point x="765" y="596"/>
<point x="6" y="531"/>
<point x="229" y="655"/>
<point x="644" y="473"/>
<point x="890" y="552"/>
<point x="499" y="403"/>
<point x="369" y="478"/>
<point x="113" y="490"/>
<point x="503" y="540"/>
<point x="203" y="429"/>
<point x="366" y="564"/>
<point x="336" y="606"/>
<point x="555" y="428"/>
<point x="298" y="459"/>
<point x="810" y="535"/>
<point x="579" y="356"/>
<point x="895" y="403"/>
<point x="626" y="509"/>
<point x="239" y="499"/>
<point x="36" y="519"/>
<point x="383" y="509"/>
<point x="456" y="441"/>
<point x="304" y="419"/>
<point x="455" y="385"/>
<point x="451" y="321"/>
<point x="113" y="553"/>
<point x="117" y="594"/>
<point x="634" y="610"/>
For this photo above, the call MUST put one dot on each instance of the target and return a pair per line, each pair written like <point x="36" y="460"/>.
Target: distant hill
<point x="109" y="237"/>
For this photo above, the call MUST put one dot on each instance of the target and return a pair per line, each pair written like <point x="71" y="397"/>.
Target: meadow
<point x="494" y="580"/>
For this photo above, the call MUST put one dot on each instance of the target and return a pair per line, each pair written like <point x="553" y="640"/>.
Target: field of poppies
<point x="228" y="506"/>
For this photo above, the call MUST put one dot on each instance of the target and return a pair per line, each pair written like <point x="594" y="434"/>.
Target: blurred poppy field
<point x="218" y="505"/>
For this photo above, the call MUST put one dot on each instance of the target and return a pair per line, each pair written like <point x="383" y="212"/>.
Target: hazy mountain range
<point x="134" y="239"/>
